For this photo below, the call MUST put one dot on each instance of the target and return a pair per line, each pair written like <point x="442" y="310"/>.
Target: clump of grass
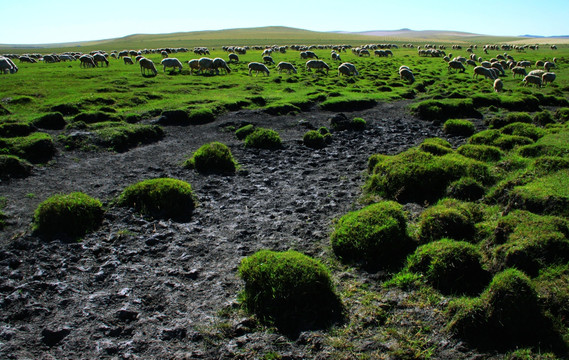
<point x="418" y="176"/>
<point x="70" y="215"/>
<point x="15" y="129"/>
<point x="447" y="219"/>
<point x="342" y="104"/>
<point x="37" y="148"/>
<point x="562" y="114"/>
<point x="243" y="131"/>
<point x="453" y="267"/>
<point x="510" y="118"/>
<point x="314" y="139"/>
<point x="459" y="127"/>
<point x="523" y="129"/>
<point x="442" y="110"/>
<point x="543" y="118"/>
<point x="506" y="313"/>
<point x="436" y="146"/>
<point x="289" y="289"/>
<point x="547" y="194"/>
<point x="201" y="116"/>
<point x="122" y="136"/>
<point x="162" y="198"/>
<point x="282" y="109"/>
<point x="14" y="167"/>
<point x="94" y="117"/>
<point x="174" y="117"/>
<point x="3" y="216"/>
<point x="484" y="153"/>
<point x="552" y="285"/>
<point x="508" y="142"/>
<point x="556" y="144"/>
<point x="214" y="157"/>
<point x="263" y="139"/>
<point x="528" y="241"/>
<point x="466" y="189"/>
<point x="50" y="121"/>
<point x="375" y="236"/>
<point x="358" y="124"/>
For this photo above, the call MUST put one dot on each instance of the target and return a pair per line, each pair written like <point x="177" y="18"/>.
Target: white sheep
<point x="318" y="65"/>
<point x="233" y="58"/>
<point x="205" y="63"/>
<point x="457" y="65"/>
<point x="147" y="64"/>
<point x="171" y="62"/>
<point x="498" y="85"/>
<point x="127" y="60"/>
<point x="258" y="67"/>
<point x="286" y="66"/>
<point x="7" y="66"/>
<point x="518" y="70"/>
<point x="219" y="63"/>
<point x="537" y="72"/>
<point x="347" y="69"/>
<point x="548" y="66"/>
<point x="486" y="72"/>
<point x="405" y="73"/>
<point x="532" y="79"/>
<point x="194" y="64"/>
<point x="548" y="77"/>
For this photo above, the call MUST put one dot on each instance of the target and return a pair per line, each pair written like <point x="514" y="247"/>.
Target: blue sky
<point x="43" y="21"/>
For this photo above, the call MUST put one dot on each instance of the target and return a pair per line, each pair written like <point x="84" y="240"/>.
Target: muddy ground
<point x="140" y="288"/>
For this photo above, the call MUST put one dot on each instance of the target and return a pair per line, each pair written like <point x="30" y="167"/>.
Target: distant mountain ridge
<point x="540" y="36"/>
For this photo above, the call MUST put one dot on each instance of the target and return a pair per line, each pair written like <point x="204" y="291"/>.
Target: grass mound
<point x="447" y="219"/>
<point x="484" y="153"/>
<point x="50" y="121"/>
<point x="282" y="109"/>
<point x="510" y="118"/>
<point x="340" y="104"/>
<point x="201" y="116"/>
<point x="15" y="129"/>
<point x="123" y="136"/>
<point x="529" y="242"/>
<point x="506" y="314"/>
<point x="417" y="176"/>
<point x="71" y="215"/>
<point x="243" y="131"/>
<point x="162" y="198"/>
<point x="459" y="127"/>
<point x="465" y="189"/>
<point x="314" y="139"/>
<point x="556" y="144"/>
<point x="214" y="157"/>
<point x="14" y="167"/>
<point x="289" y="289"/>
<point x="174" y="117"/>
<point x="262" y="138"/>
<point x="453" y="267"/>
<point x="375" y="236"/>
<point x="436" y="146"/>
<point x="442" y="110"/>
<point x="37" y="148"/>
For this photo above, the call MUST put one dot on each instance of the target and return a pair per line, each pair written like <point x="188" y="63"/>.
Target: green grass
<point x="214" y="157"/>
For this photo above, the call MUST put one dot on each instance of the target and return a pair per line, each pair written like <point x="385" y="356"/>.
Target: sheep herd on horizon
<point x="491" y="69"/>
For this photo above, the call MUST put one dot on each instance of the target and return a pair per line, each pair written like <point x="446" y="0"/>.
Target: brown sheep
<point x="532" y="79"/>
<point x="498" y="85"/>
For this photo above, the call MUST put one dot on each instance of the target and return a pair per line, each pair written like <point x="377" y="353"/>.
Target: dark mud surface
<point x="139" y="288"/>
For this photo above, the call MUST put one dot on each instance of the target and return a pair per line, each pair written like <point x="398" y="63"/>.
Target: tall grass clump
<point x="459" y="127"/>
<point x="262" y="138"/>
<point x="162" y="198"/>
<point x="375" y="236"/>
<point x="69" y="215"/>
<point x="214" y="157"/>
<point x="289" y="289"/>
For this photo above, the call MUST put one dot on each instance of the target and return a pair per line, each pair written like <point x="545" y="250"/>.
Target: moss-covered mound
<point x="71" y="215"/>
<point x="15" y="129"/>
<point x="37" y="148"/>
<point x="121" y="136"/>
<point x="289" y="289"/>
<point x="459" y="127"/>
<point x="447" y="219"/>
<point x="436" y="146"/>
<point x="162" y="197"/>
<point x="262" y="138"/>
<point x="375" y="236"/>
<point x="528" y="241"/>
<point x="450" y="266"/>
<point x="442" y="110"/>
<point x="50" y="121"/>
<point x="243" y="131"/>
<point x="417" y="176"/>
<point x="466" y="189"/>
<point x="484" y="153"/>
<point x="14" y="167"/>
<point x="214" y="157"/>
<point x="506" y="314"/>
<point x="314" y="139"/>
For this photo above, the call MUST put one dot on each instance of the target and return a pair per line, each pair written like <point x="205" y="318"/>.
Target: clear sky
<point x="54" y="21"/>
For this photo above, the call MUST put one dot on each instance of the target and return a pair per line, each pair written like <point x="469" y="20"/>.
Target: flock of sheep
<point x="491" y="69"/>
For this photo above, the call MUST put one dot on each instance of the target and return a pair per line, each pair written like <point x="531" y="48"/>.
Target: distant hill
<point x="269" y="35"/>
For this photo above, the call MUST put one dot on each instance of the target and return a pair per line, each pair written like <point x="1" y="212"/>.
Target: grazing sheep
<point x="498" y="85"/>
<point x="100" y="58"/>
<point x="364" y="52"/>
<point x="336" y="56"/>
<point x="164" y="54"/>
<point x="268" y="60"/>
<point x="471" y="62"/>
<point x="498" y="66"/>
<point x="486" y="72"/>
<point x="518" y="70"/>
<point x="194" y="65"/>
<point x="127" y="60"/>
<point x="123" y="54"/>
<point x="486" y="64"/>
<point x="532" y="79"/>
<point x="286" y="66"/>
<point x="539" y="63"/>
<point x="258" y="67"/>
<point x="86" y="61"/>
<point x="318" y="65"/>
<point x="205" y="63"/>
<point x="380" y="53"/>
<point x="27" y="59"/>
<point x="548" y="65"/>
<point x="171" y="62"/>
<point x="233" y="58"/>
<point x="147" y="64"/>
<point x="7" y="66"/>
<point x="460" y="58"/>
<point x="524" y="63"/>
<point x="548" y="77"/>
<point x="219" y="63"/>
<point x="308" y="54"/>
<point x="538" y="73"/>
<point x="347" y="69"/>
<point x="405" y="73"/>
<point x="456" y="65"/>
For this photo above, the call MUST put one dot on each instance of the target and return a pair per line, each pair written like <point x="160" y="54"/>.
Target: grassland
<point x="521" y="222"/>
